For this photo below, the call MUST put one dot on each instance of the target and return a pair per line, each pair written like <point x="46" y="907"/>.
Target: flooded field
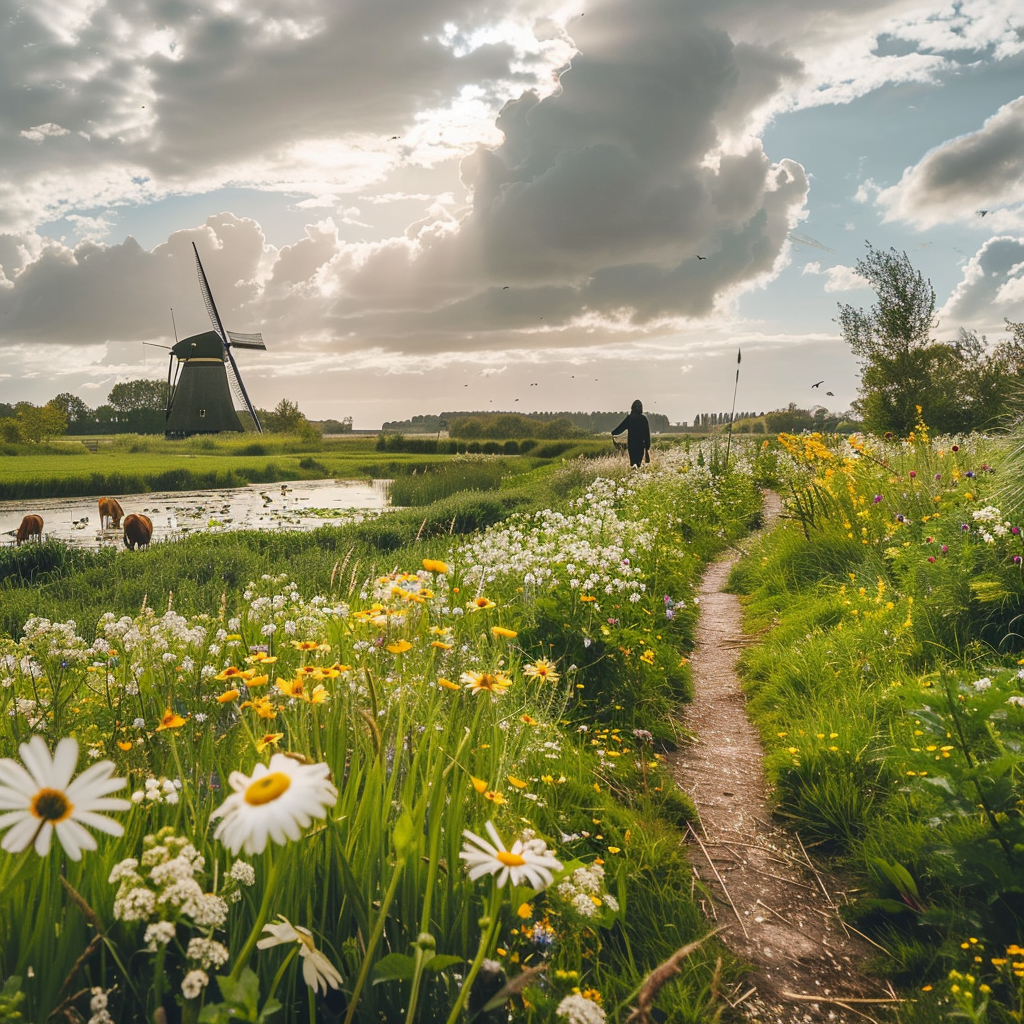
<point x="295" y="505"/>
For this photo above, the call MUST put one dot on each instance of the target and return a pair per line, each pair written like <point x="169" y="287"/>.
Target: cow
<point x="31" y="526"/>
<point x="138" y="529"/>
<point x="110" y="513"/>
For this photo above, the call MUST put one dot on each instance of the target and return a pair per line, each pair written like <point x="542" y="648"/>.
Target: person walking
<point x="638" y="441"/>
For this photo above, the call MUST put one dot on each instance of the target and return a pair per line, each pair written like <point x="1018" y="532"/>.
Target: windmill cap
<point x="200" y="346"/>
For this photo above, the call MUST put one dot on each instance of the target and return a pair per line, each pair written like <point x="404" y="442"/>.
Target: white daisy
<point x="316" y="968"/>
<point x="531" y="863"/>
<point x="275" y="802"/>
<point x="44" y="800"/>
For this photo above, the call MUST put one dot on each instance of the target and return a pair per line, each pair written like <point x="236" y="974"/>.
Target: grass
<point x="402" y="748"/>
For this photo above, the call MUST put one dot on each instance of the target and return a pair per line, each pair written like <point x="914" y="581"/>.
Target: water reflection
<point x="292" y="505"/>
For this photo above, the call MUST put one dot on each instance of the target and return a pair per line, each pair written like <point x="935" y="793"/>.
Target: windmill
<point x="205" y="393"/>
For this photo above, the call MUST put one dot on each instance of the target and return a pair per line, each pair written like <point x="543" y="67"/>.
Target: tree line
<point x="501" y="425"/>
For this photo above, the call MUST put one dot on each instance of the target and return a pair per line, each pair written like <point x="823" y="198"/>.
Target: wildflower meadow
<point x="392" y="777"/>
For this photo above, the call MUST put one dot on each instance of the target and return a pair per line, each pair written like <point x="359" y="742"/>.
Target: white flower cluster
<point x="578" y="1009"/>
<point x="582" y="890"/>
<point x="164" y="886"/>
<point x="98" y="1004"/>
<point x="158" y="791"/>
<point x="274" y="603"/>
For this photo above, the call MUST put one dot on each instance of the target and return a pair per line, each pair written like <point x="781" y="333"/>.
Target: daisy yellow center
<point x="510" y="860"/>
<point x="51" y="805"/>
<point x="266" y="788"/>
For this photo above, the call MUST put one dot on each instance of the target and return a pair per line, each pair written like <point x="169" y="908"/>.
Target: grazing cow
<point x="31" y="526"/>
<point x="110" y="513"/>
<point x="138" y="529"/>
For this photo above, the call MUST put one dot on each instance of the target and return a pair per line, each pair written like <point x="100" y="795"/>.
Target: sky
<point x="430" y="205"/>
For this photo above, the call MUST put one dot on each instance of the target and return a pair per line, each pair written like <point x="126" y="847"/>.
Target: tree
<point x="73" y="406"/>
<point x="40" y="423"/>
<point x="134" y="395"/>
<point x="892" y="339"/>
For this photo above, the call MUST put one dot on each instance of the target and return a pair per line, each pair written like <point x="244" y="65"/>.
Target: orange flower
<point x="502" y="631"/>
<point x="529" y="720"/>
<point x="587" y="597"/>
<point x="433" y="565"/>
<point x="518" y="783"/>
<point x="270" y="740"/>
<point x="448" y="684"/>
<point x="478" y="784"/>
<point x="227" y="696"/>
<point x="170" y="721"/>
<point x="124" y="745"/>
<point x="400" y="647"/>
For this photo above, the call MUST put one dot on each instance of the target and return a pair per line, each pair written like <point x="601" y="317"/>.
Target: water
<point x="281" y="506"/>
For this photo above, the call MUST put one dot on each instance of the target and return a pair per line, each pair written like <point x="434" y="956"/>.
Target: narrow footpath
<point x="774" y="907"/>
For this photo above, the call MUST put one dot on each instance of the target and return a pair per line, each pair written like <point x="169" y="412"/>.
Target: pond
<point x="291" y="505"/>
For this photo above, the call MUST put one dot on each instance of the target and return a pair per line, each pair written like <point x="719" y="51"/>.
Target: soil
<point x="775" y="908"/>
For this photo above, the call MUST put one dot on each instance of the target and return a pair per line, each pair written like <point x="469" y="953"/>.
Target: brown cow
<point x="110" y="510"/>
<point x="31" y="526"/>
<point x="138" y="529"/>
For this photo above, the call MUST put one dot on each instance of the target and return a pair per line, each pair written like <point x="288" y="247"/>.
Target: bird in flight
<point x="533" y="385"/>
<point x="504" y="287"/>
<point x="701" y="257"/>
<point x="830" y="393"/>
<point x="393" y="137"/>
<point x="981" y="213"/>
<point x="465" y="385"/>
<point x="818" y="385"/>
<point x="517" y="399"/>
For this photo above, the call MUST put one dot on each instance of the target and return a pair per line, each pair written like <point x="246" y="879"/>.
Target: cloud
<point x="991" y="289"/>
<point x="839" y="278"/>
<point x="983" y="170"/>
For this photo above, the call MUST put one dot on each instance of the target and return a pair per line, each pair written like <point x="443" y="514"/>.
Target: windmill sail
<point x="229" y="338"/>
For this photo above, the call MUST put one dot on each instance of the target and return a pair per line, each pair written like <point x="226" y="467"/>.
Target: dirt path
<point x="774" y="908"/>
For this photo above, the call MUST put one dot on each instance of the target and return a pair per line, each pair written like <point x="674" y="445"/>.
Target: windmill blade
<point x="211" y="306"/>
<point x="246" y="340"/>
<point x="238" y="388"/>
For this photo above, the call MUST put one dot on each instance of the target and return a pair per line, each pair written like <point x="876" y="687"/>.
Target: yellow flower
<point x="338" y="667"/>
<point x="292" y="687"/>
<point x="305" y="645"/>
<point x="518" y="783"/>
<point x="270" y="740"/>
<point x="647" y="657"/>
<point x="170" y="721"/>
<point x="229" y="673"/>
<point x="528" y="720"/>
<point x="124" y="745"/>
<point x="441" y="645"/>
<point x="400" y="647"/>
<point x="541" y="670"/>
<point x="440" y="630"/>
<point x="257" y="681"/>
<point x="261" y="658"/>
<point x="614" y="849"/>
<point x="495" y="798"/>
<point x="492" y="682"/>
<point x="502" y="631"/>
<point x="478" y="784"/>
<point x="525" y="911"/>
<point x="433" y="565"/>
<point x="587" y="597"/>
<point x="227" y="696"/>
<point x="480" y="604"/>
<point x="448" y="684"/>
<point x="263" y="706"/>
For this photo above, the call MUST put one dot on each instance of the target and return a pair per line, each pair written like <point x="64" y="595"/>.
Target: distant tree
<point x="134" y="395"/>
<point x="77" y="411"/>
<point x="892" y="340"/>
<point x="40" y="423"/>
<point x="790" y="420"/>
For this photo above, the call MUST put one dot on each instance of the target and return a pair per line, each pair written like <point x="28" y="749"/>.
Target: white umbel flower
<point x="275" y="802"/>
<point x="317" y="970"/>
<point x="530" y="863"/>
<point x="578" y="1009"/>
<point x="44" y="800"/>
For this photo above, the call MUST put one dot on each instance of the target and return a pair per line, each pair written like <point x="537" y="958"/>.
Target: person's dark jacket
<point x="639" y="440"/>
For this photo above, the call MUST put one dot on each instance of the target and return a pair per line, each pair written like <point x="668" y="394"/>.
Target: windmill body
<point x="205" y="394"/>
